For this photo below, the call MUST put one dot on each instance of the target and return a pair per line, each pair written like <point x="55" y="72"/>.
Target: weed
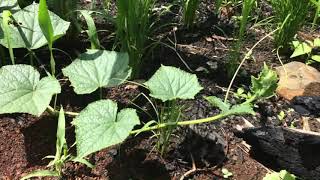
<point x="235" y="54"/>
<point x="316" y="3"/>
<point x="61" y="156"/>
<point x="290" y="15"/>
<point x="133" y="28"/>
<point x="189" y="12"/>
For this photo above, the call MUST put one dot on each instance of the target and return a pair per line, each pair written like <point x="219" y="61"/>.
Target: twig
<point x="194" y="168"/>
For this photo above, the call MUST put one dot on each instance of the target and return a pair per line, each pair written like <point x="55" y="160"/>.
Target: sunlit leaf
<point x="100" y="125"/>
<point x="96" y="69"/>
<point x="170" y="83"/>
<point x="22" y="91"/>
<point x="26" y="32"/>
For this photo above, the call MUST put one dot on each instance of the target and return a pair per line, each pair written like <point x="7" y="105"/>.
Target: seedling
<point x="281" y="116"/>
<point x="306" y="48"/>
<point x="262" y="87"/>
<point x="282" y="175"/>
<point x="61" y="157"/>
<point x="226" y="173"/>
<point x="189" y="11"/>
<point x="170" y="84"/>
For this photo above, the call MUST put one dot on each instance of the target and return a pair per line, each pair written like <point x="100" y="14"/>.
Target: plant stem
<point x="180" y="123"/>
<point x="52" y="62"/>
<point x="51" y="110"/>
<point x="100" y="93"/>
<point x="31" y="58"/>
<point x="243" y="60"/>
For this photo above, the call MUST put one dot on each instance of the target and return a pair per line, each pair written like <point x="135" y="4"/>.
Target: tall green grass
<point x="315" y="3"/>
<point x="133" y="29"/>
<point x="247" y="7"/>
<point x="189" y="11"/>
<point x="290" y="15"/>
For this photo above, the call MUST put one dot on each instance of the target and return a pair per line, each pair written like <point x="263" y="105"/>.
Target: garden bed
<point x="198" y="151"/>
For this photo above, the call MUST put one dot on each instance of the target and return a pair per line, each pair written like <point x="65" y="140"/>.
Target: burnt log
<point x="278" y="148"/>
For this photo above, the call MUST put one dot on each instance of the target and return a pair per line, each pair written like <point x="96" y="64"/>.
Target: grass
<point x="290" y="15"/>
<point x="189" y="12"/>
<point x="247" y="7"/>
<point x="133" y="29"/>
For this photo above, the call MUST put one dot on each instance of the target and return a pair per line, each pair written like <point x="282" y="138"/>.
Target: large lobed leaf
<point x="8" y="5"/>
<point x="26" y="32"/>
<point x="99" y="126"/>
<point x="170" y="83"/>
<point x="97" y="68"/>
<point x="22" y="91"/>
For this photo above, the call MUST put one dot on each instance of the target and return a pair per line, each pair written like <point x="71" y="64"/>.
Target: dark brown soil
<point x="26" y="140"/>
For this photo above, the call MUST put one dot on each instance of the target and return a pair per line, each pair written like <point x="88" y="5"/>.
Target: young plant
<point x="290" y="15"/>
<point x="133" y="29"/>
<point x="92" y="30"/>
<point x="47" y="30"/>
<point x="189" y="11"/>
<point x="306" y="48"/>
<point x="262" y="87"/>
<point x="170" y="84"/>
<point x="247" y="7"/>
<point x="226" y="173"/>
<point x="61" y="157"/>
<point x="282" y="175"/>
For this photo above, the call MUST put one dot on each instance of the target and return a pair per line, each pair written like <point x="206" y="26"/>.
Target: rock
<point x="298" y="79"/>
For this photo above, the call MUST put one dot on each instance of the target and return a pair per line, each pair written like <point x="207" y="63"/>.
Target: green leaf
<point x="26" y="32"/>
<point x="45" y="22"/>
<point x="170" y="83"/>
<point x="282" y="175"/>
<point x="9" y="5"/>
<point x="265" y="84"/>
<point x="240" y="110"/>
<point x="316" y="58"/>
<point x="6" y="18"/>
<point x="61" y="143"/>
<point x="99" y="126"/>
<point x="83" y="161"/>
<point x="301" y="49"/>
<point x="217" y="102"/>
<point x="22" y="91"/>
<point x="92" y="31"/>
<point x="316" y="42"/>
<point x="40" y="173"/>
<point x="96" y="69"/>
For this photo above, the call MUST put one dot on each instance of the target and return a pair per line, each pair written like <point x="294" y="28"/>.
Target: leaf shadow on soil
<point x="40" y="140"/>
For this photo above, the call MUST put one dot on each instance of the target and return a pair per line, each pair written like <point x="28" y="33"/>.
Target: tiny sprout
<point x="226" y="173"/>
<point x="281" y="115"/>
